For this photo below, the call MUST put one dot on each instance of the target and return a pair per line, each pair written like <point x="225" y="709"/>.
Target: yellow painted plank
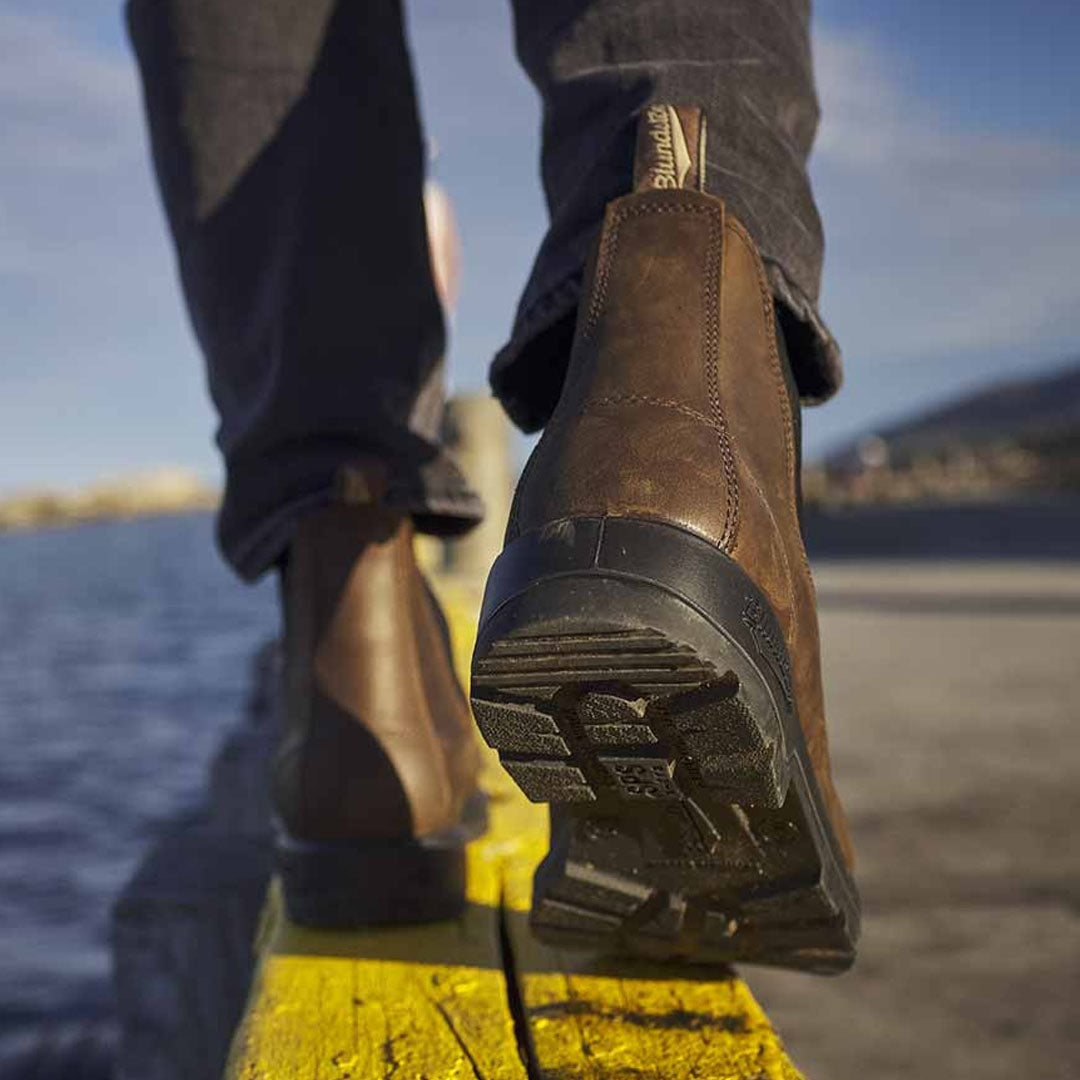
<point x="425" y="1001"/>
<point x="432" y="1003"/>
<point x="591" y="1019"/>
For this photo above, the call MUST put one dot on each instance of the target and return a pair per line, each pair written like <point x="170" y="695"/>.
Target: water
<point x="125" y="655"/>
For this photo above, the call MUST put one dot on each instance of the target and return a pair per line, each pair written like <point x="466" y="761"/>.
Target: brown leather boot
<point x="648" y="656"/>
<point x="375" y="781"/>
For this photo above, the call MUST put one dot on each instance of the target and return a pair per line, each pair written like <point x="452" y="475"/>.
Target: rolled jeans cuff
<point x="255" y="533"/>
<point x="528" y="372"/>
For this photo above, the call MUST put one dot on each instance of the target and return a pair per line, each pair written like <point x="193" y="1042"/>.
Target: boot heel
<point x="345" y="885"/>
<point x="631" y="675"/>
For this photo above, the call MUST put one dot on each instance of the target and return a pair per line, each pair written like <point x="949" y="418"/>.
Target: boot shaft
<point x="678" y="401"/>
<point x="377" y="739"/>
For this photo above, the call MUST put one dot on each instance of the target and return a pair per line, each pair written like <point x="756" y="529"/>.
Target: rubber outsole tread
<point x="696" y="752"/>
<point x="631" y="676"/>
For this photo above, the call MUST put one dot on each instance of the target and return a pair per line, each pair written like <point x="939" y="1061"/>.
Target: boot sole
<point x="631" y="675"/>
<point x="344" y="885"/>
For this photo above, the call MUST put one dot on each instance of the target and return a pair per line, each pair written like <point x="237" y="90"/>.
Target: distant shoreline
<point x="63" y="524"/>
<point x="157" y="492"/>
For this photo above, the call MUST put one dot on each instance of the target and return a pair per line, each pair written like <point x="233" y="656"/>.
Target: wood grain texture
<point x="596" y="1020"/>
<point x="436" y="1002"/>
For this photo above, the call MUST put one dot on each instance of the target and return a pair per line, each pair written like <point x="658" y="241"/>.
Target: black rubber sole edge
<point x="631" y="675"/>
<point x="343" y="886"/>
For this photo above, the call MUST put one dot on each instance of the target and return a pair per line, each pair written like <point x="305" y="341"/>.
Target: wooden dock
<point x="480" y="999"/>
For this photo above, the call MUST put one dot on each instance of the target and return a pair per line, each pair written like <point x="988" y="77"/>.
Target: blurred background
<point x="944" y="486"/>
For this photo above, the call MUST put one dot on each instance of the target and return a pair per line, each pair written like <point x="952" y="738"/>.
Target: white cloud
<point x="65" y="106"/>
<point x="941" y="237"/>
<point x="871" y="121"/>
<point x="72" y="151"/>
<point x="86" y="284"/>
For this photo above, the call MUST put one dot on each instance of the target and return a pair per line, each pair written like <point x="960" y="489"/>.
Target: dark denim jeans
<point x="289" y="153"/>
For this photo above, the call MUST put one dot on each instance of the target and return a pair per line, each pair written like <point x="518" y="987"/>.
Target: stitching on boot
<point x="711" y="345"/>
<point x="609" y="244"/>
<point x="781" y="390"/>
<point x="711" y="332"/>
<point x="663" y="403"/>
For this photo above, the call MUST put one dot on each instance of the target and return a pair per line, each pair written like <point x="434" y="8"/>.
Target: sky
<point x="947" y="170"/>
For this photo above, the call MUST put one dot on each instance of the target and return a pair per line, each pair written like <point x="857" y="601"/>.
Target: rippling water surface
<point x="124" y="654"/>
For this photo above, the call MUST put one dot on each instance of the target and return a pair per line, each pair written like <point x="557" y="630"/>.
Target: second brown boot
<point x="647" y="659"/>
<point x="375" y="780"/>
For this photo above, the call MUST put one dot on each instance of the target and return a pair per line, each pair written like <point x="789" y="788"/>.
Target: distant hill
<point x="1017" y="409"/>
<point x="1016" y="435"/>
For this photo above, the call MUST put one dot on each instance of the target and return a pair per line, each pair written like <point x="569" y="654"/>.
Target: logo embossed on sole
<point x="642" y="778"/>
<point x="769" y="646"/>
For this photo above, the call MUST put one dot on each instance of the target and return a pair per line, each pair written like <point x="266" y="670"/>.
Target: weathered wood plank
<point x="426" y="1001"/>
<point x="596" y="1020"/>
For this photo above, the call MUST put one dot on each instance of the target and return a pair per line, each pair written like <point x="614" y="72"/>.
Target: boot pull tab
<point x="670" y="148"/>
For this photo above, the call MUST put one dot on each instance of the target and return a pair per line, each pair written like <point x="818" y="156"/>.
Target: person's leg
<point x="596" y="64"/>
<point x="291" y="164"/>
<point x="290" y="160"/>
<point x="651" y="622"/>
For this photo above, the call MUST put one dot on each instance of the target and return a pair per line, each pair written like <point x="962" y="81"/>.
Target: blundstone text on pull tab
<point x="670" y="149"/>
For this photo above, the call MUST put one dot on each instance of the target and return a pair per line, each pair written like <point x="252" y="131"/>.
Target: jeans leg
<point x="596" y="64"/>
<point x="290" y="159"/>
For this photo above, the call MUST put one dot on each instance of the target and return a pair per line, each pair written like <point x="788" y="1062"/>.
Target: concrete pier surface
<point x="953" y="696"/>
